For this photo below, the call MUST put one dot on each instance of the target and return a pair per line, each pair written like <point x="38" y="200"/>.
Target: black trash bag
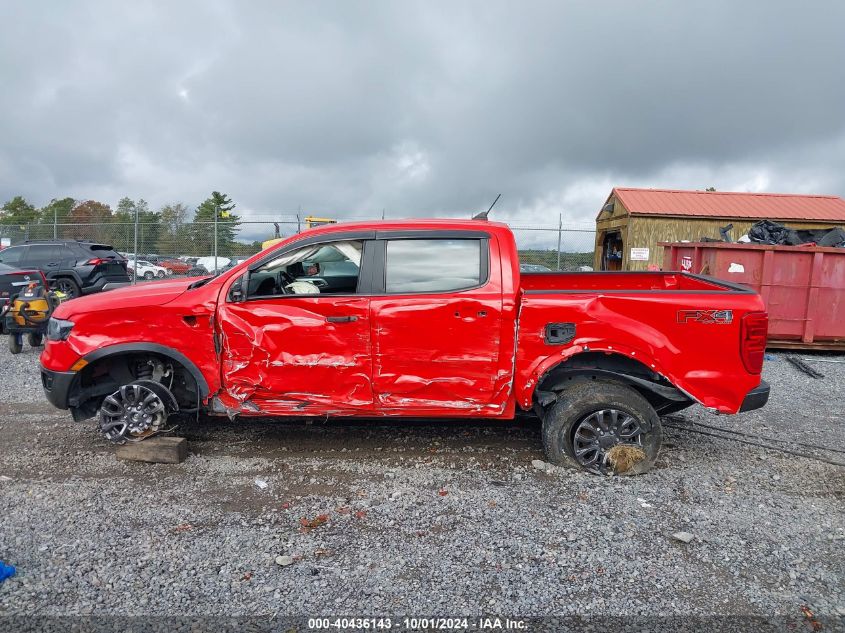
<point x="834" y="237"/>
<point x="768" y="232"/>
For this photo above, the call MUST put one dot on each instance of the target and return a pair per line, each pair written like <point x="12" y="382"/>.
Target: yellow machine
<point x="310" y="222"/>
<point x="269" y="243"/>
<point x="31" y="307"/>
<point x="28" y="314"/>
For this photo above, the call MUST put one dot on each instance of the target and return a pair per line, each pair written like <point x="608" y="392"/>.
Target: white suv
<point x="146" y="269"/>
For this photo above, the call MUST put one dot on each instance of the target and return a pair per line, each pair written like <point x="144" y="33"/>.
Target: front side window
<point x="329" y="268"/>
<point x="437" y="265"/>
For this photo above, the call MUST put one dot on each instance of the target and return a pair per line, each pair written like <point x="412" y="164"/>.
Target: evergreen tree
<point x="228" y="225"/>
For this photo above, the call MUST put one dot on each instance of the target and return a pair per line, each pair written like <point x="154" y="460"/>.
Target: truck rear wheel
<point x="603" y="428"/>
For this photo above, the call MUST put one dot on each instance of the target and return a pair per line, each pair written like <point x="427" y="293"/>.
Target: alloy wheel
<point x="596" y="433"/>
<point x="131" y="413"/>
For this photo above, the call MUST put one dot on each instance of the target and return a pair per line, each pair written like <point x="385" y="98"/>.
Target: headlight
<point x="58" y="330"/>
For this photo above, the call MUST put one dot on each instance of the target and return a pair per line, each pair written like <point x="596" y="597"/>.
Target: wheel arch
<point x="664" y="396"/>
<point x="152" y="348"/>
<point x="101" y="375"/>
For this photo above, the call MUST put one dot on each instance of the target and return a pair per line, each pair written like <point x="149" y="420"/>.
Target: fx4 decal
<point x="706" y="316"/>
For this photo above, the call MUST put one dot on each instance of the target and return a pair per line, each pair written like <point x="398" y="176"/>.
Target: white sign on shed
<point x="639" y="254"/>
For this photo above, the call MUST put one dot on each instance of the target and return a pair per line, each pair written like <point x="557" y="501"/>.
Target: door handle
<point x="341" y="319"/>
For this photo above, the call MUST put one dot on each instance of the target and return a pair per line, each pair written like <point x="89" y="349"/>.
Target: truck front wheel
<point x="603" y="428"/>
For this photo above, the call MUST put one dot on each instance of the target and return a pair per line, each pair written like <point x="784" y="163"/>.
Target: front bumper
<point x="756" y="398"/>
<point x="57" y="386"/>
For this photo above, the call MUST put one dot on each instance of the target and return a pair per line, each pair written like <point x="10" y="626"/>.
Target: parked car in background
<point x="74" y="267"/>
<point x="173" y="265"/>
<point x="197" y="271"/>
<point x="232" y="263"/>
<point x="208" y="263"/>
<point x="146" y="270"/>
<point x="534" y="268"/>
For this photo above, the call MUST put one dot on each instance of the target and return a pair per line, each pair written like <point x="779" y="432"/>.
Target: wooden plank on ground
<point x="158" y="450"/>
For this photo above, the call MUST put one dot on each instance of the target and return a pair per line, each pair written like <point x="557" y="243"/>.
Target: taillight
<point x="752" y="343"/>
<point x="96" y="261"/>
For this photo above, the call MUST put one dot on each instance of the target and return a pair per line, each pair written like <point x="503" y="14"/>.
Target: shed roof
<point x="729" y="204"/>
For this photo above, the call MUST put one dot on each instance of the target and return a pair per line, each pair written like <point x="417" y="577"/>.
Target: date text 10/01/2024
<point x="417" y="624"/>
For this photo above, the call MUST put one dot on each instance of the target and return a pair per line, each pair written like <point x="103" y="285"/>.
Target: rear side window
<point x="13" y="255"/>
<point x="438" y="265"/>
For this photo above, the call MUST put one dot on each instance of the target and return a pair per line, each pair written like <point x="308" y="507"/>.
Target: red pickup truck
<point x="424" y="318"/>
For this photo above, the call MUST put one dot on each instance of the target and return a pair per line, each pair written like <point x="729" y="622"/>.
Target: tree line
<point x="173" y="229"/>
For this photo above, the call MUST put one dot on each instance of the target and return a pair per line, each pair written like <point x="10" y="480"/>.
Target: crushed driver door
<point x="299" y="354"/>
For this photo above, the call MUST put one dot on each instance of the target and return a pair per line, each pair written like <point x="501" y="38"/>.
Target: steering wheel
<point x="283" y="279"/>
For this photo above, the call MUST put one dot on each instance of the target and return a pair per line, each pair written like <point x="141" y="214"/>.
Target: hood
<point x="154" y="293"/>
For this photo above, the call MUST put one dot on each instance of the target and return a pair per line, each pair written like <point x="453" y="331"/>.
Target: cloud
<point x="419" y="108"/>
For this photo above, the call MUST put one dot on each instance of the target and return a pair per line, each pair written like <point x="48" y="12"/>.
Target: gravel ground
<point x="447" y="518"/>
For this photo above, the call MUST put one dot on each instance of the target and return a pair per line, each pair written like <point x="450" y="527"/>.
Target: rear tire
<point x="15" y="343"/>
<point x="68" y="286"/>
<point x="589" y="418"/>
<point x="148" y="275"/>
<point x="34" y="339"/>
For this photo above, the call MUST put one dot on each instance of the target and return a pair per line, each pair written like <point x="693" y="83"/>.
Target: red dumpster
<point x="803" y="286"/>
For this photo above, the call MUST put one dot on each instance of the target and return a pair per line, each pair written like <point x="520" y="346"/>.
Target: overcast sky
<point x="430" y="108"/>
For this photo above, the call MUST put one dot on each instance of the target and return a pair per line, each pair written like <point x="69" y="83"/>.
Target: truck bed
<point x="672" y="322"/>
<point x="624" y="281"/>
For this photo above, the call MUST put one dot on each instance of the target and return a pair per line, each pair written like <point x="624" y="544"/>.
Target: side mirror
<point x="237" y="291"/>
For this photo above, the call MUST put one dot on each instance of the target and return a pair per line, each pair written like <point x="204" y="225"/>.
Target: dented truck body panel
<point x="702" y="360"/>
<point x="482" y="351"/>
<point x="162" y="313"/>
<point x="285" y="357"/>
<point x="444" y="352"/>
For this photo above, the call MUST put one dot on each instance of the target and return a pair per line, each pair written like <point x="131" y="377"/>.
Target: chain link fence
<point x="540" y="247"/>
